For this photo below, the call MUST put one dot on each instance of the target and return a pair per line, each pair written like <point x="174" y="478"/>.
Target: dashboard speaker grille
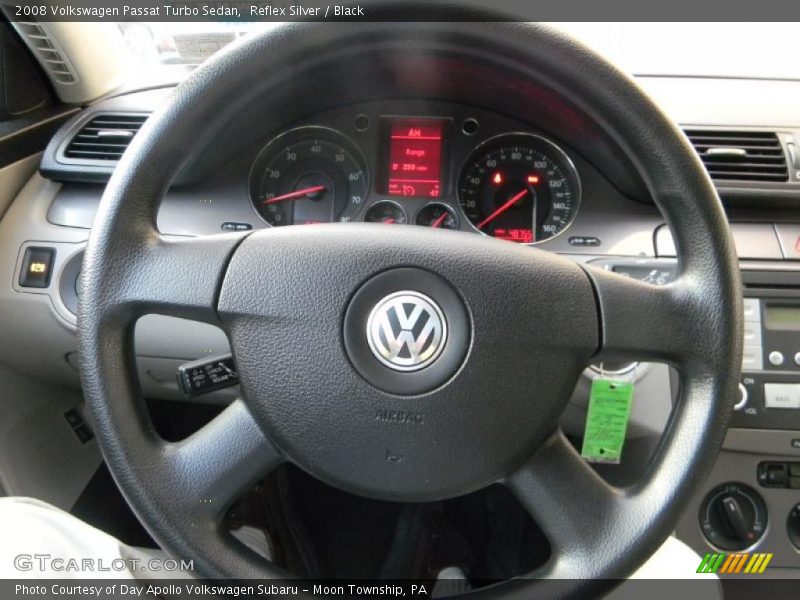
<point x="740" y="155"/>
<point x="104" y="137"/>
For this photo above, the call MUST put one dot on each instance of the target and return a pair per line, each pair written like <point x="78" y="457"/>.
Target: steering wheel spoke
<point x="645" y="322"/>
<point x="171" y="276"/>
<point x="218" y="463"/>
<point x="575" y="507"/>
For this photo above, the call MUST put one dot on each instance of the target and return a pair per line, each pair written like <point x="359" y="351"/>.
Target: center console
<point x="751" y="502"/>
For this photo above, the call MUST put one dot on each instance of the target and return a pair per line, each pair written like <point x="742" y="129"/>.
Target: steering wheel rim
<point x="598" y="533"/>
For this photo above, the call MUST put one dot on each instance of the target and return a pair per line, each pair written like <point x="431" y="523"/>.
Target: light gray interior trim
<point x="14" y="177"/>
<point x="768" y="442"/>
<point x="753" y="241"/>
<point x="43" y="328"/>
<point x="40" y="456"/>
<point x="90" y="56"/>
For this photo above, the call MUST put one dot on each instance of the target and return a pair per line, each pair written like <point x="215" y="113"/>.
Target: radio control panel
<point x="769" y="392"/>
<point x="771" y="334"/>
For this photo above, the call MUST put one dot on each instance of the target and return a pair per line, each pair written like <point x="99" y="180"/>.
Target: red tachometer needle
<point x="511" y="202"/>
<point x="438" y="222"/>
<point x="295" y="195"/>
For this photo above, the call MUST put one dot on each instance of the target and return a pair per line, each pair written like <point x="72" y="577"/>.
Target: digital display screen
<point x="415" y="158"/>
<point x="519" y="235"/>
<point x="783" y="318"/>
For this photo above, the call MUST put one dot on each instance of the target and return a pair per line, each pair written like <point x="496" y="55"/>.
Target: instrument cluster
<point x="441" y="166"/>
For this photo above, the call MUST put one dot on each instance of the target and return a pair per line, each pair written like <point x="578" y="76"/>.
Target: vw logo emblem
<point x="406" y="331"/>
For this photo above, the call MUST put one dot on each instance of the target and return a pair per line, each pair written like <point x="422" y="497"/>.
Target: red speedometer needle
<point x="511" y="202"/>
<point x="297" y="194"/>
<point x="438" y="222"/>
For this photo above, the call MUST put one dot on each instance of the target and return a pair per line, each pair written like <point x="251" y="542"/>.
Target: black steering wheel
<point x="521" y="324"/>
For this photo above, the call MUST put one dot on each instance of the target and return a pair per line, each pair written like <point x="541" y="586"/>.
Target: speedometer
<point x="309" y="175"/>
<point x="519" y="187"/>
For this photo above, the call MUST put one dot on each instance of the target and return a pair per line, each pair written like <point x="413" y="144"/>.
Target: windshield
<point x="688" y="49"/>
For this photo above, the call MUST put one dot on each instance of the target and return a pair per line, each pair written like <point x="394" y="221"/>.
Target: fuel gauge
<point x="387" y="212"/>
<point x="438" y="216"/>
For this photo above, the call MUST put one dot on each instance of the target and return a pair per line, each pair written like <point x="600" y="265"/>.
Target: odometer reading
<point x="519" y="187"/>
<point x="309" y="175"/>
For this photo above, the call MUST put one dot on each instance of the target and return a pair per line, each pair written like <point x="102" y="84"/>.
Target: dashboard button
<point x="752" y="358"/>
<point x="797" y="359"/>
<point x="779" y="475"/>
<point x="752" y="310"/>
<point x="782" y="395"/>
<point x="584" y="241"/>
<point x="775" y="358"/>
<point x="84" y="434"/>
<point x="230" y="226"/>
<point x="73" y="417"/>
<point x="37" y="267"/>
<point x="774" y="474"/>
<point x="752" y="334"/>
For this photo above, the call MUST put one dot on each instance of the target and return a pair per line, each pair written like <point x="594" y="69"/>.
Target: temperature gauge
<point x="386" y="212"/>
<point x="437" y="216"/>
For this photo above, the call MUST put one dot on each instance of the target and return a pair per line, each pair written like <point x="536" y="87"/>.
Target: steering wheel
<point x="510" y="328"/>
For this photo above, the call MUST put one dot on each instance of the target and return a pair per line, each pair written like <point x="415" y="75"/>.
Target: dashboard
<point x="455" y="170"/>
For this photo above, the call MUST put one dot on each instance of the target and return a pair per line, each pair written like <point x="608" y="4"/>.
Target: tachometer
<point x="519" y="187"/>
<point x="309" y="175"/>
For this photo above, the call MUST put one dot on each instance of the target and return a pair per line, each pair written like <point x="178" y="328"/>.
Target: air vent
<point x="741" y="155"/>
<point x="105" y="137"/>
<point x="50" y="55"/>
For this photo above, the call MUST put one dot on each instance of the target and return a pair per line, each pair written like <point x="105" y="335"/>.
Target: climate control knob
<point x="733" y="516"/>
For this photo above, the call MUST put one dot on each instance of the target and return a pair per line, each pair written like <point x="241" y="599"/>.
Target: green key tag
<point x="607" y="420"/>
